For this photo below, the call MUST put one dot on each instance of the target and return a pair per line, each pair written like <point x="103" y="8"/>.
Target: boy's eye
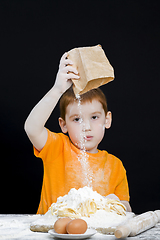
<point x="94" y="117"/>
<point x="77" y="119"/>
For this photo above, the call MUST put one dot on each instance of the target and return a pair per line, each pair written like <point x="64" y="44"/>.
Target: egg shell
<point x="60" y="225"/>
<point x="76" y="226"/>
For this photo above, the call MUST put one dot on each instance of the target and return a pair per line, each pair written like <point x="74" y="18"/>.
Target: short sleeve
<point x="52" y="147"/>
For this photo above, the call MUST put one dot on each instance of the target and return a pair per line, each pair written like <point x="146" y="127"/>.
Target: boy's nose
<point x="86" y="126"/>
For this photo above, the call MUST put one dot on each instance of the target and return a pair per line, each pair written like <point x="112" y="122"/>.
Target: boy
<point x="74" y="161"/>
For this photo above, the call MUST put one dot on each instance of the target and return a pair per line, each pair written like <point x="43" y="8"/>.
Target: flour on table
<point x="103" y="216"/>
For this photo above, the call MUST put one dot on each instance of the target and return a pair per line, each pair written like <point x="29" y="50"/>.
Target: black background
<point x="34" y="35"/>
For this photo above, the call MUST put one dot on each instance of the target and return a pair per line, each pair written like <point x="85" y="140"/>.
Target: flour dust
<point x="83" y="156"/>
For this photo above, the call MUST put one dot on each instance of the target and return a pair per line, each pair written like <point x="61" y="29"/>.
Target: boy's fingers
<point x="73" y="76"/>
<point x="65" y="62"/>
<point x="70" y="69"/>
<point x="63" y="58"/>
<point x="68" y="62"/>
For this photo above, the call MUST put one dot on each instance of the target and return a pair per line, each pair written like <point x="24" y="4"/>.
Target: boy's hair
<point x="69" y="97"/>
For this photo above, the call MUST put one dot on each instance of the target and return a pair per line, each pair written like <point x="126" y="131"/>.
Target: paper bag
<point x="93" y="67"/>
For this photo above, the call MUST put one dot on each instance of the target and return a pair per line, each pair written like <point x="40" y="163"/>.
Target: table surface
<point x="17" y="227"/>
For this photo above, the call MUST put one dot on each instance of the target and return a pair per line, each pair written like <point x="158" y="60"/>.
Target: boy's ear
<point x="62" y="124"/>
<point x="108" y="120"/>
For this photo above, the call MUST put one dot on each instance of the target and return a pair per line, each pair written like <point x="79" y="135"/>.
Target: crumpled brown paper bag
<point x="93" y="67"/>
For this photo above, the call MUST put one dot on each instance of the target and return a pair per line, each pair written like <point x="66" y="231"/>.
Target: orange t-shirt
<point x="66" y="167"/>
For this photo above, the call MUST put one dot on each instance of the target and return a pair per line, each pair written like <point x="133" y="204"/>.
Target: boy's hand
<point x="112" y="196"/>
<point x="65" y="73"/>
<point x="126" y="203"/>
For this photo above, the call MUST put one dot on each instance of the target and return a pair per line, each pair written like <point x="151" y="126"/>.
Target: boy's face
<point x="85" y="124"/>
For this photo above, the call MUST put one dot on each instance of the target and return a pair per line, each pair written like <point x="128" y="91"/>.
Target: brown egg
<point x="60" y="225"/>
<point x="76" y="226"/>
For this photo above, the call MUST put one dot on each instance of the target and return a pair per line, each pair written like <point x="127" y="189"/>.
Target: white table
<point x="17" y="227"/>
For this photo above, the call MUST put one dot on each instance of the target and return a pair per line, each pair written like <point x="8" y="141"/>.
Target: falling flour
<point x="83" y="156"/>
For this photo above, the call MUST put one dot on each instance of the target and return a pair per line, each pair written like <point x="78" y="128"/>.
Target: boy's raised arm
<point x="34" y="124"/>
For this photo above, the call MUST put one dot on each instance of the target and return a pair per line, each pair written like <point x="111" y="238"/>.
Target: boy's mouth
<point x="88" y="138"/>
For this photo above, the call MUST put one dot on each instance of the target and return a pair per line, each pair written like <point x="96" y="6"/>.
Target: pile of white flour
<point x="102" y="221"/>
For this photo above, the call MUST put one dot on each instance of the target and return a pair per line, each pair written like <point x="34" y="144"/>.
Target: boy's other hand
<point x="65" y="73"/>
<point x="112" y="196"/>
<point x="125" y="203"/>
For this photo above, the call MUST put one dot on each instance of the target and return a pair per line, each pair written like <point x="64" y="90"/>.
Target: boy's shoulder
<point x="54" y="141"/>
<point x="57" y="138"/>
<point x="112" y="162"/>
<point x="112" y="158"/>
<point x="53" y="135"/>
